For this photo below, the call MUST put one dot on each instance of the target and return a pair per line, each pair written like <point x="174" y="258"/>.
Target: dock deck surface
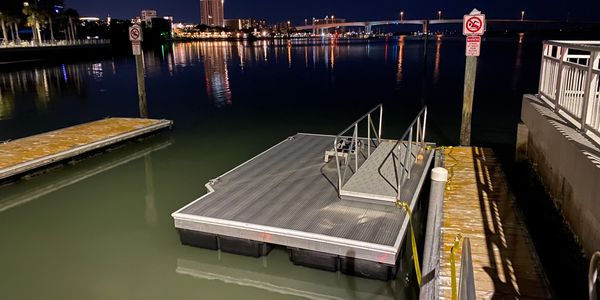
<point x="478" y="204"/>
<point x="287" y="196"/>
<point x="27" y="154"/>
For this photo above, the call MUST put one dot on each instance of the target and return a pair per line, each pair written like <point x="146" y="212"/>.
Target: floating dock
<point x="290" y="196"/>
<point x="478" y="204"/>
<point x="30" y="154"/>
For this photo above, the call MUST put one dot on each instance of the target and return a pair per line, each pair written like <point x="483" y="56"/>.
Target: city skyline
<point x="276" y="11"/>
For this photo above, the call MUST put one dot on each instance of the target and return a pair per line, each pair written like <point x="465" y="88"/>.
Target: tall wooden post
<point x="467" y="109"/>
<point x="141" y="85"/>
<point x="135" y="36"/>
<point x="473" y="29"/>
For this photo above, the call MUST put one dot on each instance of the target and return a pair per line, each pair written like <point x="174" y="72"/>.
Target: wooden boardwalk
<point x="478" y="204"/>
<point x="27" y="154"/>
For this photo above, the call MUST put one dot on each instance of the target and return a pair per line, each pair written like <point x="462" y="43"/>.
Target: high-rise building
<point x="211" y="13"/>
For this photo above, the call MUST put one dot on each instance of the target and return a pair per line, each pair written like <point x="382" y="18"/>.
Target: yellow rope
<point x="405" y="205"/>
<point x="450" y="168"/>
<point x="457" y="240"/>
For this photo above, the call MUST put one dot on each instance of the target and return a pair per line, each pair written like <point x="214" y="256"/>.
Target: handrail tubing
<point x="593" y="275"/>
<point x="354" y="142"/>
<point x="466" y="288"/>
<point x="579" y="45"/>
<point x="420" y="138"/>
<point x="359" y="120"/>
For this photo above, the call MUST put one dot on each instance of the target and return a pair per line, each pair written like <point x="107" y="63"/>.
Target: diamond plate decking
<point x="376" y="179"/>
<point x="287" y="196"/>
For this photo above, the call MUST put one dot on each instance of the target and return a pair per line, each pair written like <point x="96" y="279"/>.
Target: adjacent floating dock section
<point x="290" y="196"/>
<point x="478" y="204"/>
<point x="22" y="156"/>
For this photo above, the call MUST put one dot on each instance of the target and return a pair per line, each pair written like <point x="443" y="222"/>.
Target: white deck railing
<point x="570" y="82"/>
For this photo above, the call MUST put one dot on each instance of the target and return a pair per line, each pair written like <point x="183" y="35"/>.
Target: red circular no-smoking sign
<point x="135" y="34"/>
<point x="473" y="24"/>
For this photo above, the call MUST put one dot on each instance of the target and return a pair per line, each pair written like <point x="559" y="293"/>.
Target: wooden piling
<point x="469" y="90"/>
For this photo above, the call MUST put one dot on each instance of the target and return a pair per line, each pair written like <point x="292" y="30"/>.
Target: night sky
<point x="281" y="10"/>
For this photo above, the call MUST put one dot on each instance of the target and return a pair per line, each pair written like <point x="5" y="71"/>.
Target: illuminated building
<point x="239" y="24"/>
<point x="211" y="13"/>
<point x="148" y="14"/>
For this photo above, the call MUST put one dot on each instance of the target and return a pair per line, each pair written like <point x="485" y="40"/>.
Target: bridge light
<point x="439" y="14"/>
<point x="402" y="16"/>
<point x="522" y="15"/>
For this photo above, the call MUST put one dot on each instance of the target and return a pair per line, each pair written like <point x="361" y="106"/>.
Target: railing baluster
<point x="380" y="123"/>
<point x="587" y="90"/>
<point x="557" y="92"/>
<point x="355" y="148"/>
<point x="369" y="136"/>
<point x="410" y="154"/>
<point x="424" y="127"/>
<point x="399" y="173"/>
<point x="337" y="164"/>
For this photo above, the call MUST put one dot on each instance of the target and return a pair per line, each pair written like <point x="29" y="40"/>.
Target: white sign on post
<point x="473" y="28"/>
<point x="135" y="33"/>
<point x="473" y="45"/>
<point x="137" y="48"/>
<point x="474" y="23"/>
<point x="135" y="36"/>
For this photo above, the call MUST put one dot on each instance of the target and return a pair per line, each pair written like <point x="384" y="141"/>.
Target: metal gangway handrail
<point x="353" y="146"/>
<point x="403" y="163"/>
<point x="570" y="83"/>
<point x="403" y="170"/>
<point x="593" y="275"/>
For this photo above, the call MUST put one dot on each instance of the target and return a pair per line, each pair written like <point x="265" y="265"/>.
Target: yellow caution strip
<point x="405" y="205"/>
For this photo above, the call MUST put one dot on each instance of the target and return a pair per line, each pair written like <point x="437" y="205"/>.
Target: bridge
<point x="425" y="23"/>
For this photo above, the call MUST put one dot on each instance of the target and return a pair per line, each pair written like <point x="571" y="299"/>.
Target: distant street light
<point x="401" y="16"/>
<point x="439" y="14"/>
<point x="522" y="15"/>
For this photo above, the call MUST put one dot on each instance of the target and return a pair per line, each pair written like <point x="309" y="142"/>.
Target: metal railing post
<point x="369" y="135"/>
<point x="380" y="122"/>
<point x="400" y="173"/>
<point x="418" y="137"/>
<point x="466" y="290"/>
<point x="409" y="154"/>
<point x="337" y="164"/>
<point x="543" y="67"/>
<point x="355" y="148"/>
<point x="559" y="78"/>
<point x="587" y="92"/>
<point x="424" y="126"/>
<point x="593" y="275"/>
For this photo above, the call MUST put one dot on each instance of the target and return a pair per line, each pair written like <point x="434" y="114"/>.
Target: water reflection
<point x="216" y="74"/>
<point x="276" y="274"/>
<point x="50" y="183"/>
<point x="45" y="84"/>
<point x="400" y="59"/>
<point x="150" y="201"/>
<point x="436" y="66"/>
<point x="518" y="62"/>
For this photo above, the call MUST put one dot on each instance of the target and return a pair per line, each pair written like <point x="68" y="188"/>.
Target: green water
<point x="101" y="228"/>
